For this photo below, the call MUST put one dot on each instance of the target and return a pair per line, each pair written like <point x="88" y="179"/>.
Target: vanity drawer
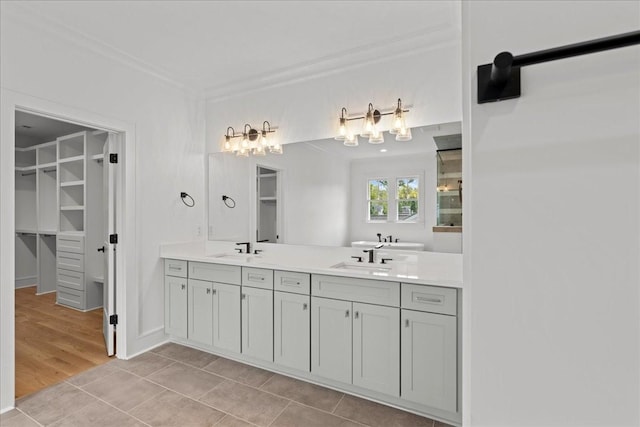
<point x="215" y="272"/>
<point x="71" y="279"/>
<point x="257" y="277"/>
<point x="70" y="261"/>
<point x="69" y="297"/>
<point x="358" y="290"/>
<point x="430" y="298"/>
<point x="289" y="281"/>
<point x="175" y="268"/>
<point x="70" y="243"/>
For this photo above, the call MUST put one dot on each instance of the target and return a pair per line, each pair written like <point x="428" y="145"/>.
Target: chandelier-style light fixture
<point x="371" y="127"/>
<point x="252" y="142"/>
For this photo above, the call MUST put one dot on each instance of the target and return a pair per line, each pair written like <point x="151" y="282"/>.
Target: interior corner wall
<point x="552" y="236"/>
<point x="45" y="63"/>
<point x="308" y="109"/>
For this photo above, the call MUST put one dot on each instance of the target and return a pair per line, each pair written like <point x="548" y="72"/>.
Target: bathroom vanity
<point x="387" y="332"/>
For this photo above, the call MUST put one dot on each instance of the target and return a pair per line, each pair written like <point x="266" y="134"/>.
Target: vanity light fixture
<point x="371" y="128"/>
<point x="252" y="142"/>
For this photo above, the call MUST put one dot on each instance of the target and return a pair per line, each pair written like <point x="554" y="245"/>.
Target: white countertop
<point x="419" y="267"/>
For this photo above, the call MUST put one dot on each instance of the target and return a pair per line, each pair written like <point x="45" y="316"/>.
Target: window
<point x="378" y="199"/>
<point x="381" y="194"/>
<point x="407" y="190"/>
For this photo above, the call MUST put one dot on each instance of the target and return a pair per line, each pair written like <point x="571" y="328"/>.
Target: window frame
<point x="398" y="200"/>
<point x="392" y="198"/>
<point x="368" y="201"/>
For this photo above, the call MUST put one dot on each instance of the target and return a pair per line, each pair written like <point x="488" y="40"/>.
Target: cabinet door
<point x="291" y="330"/>
<point x="376" y="348"/>
<point x="257" y="323"/>
<point x="175" y="306"/>
<point x="226" y="316"/>
<point x="331" y="339"/>
<point x="429" y="359"/>
<point x="200" y="309"/>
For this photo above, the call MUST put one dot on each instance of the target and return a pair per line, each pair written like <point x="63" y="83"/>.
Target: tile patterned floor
<point x="175" y="385"/>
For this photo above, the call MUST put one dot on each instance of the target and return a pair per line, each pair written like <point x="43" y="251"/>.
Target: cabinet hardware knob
<point x="304" y="306"/>
<point x="406" y="323"/>
<point x="183" y="286"/>
<point x="346" y="314"/>
<point x="213" y="291"/>
<point x="356" y="314"/>
<point x="208" y="290"/>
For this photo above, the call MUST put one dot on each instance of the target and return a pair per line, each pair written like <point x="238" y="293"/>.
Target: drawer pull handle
<point x="429" y="299"/>
<point x="346" y="314"/>
<point x="406" y="323"/>
<point x="356" y="314"/>
<point x="304" y="306"/>
<point x="255" y="277"/>
<point x="182" y="287"/>
<point x="173" y="267"/>
<point x="290" y="283"/>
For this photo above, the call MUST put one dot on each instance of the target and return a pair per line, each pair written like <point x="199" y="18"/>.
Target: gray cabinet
<point x="291" y="330"/>
<point x="200" y="311"/>
<point x="429" y="349"/>
<point x="331" y="339"/>
<point x="175" y="306"/>
<point x="257" y="323"/>
<point x="226" y="317"/>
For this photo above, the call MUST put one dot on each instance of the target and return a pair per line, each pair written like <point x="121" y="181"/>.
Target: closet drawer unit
<point x="358" y="290"/>
<point x="257" y="277"/>
<point x="70" y="243"/>
<point x="70" y="297"/>
<point x="289" y="281"/>
<point x="429" y="298"/>
<point x="215" y="272"/>
<point x="70" y="261"/>
<point x="175" y="268"/>
<point x="71" y="279"/>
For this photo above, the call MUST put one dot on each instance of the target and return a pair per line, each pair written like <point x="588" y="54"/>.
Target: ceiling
<point x="213" y="47"/>
<point x="32" y="129"/>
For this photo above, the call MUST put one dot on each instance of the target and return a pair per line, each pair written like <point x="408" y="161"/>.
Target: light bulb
<point x="404" y="134"/>
<point x="227" y="145"/>
<point x="376" y="137"/>
<point x="243" y="152"/>
<point x="342" y="129"/>
<point x="245" y="142"/>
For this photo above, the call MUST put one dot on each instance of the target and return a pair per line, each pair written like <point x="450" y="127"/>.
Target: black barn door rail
<point x="501" y="79"/>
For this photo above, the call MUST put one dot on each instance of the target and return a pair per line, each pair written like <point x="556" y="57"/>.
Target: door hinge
<point x="113" y="158"/>
<point x="113" y="238"/>
<point x="113" y="319"/>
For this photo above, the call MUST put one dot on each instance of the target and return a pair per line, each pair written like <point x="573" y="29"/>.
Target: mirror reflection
<point x="325" y="193"/>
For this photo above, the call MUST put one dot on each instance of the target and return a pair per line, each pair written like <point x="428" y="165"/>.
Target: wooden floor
<point x="53" y="342"/>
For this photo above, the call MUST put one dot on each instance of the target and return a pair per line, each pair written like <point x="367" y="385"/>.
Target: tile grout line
<point x="29" y="416"/>
<point x="280" y="413"/>
<point x="337" y="404"/>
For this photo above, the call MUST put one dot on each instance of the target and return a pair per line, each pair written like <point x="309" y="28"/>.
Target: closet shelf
<point x="268" y="199"/>
<point x="71" y="159"/>
<point x="25" y="168"/>
<point x="71" y="183"/>
<point x="72" y="208"/>
<point x="47" y="165"/>
<point x="48" y="232"/>
<point x="97" y="157"/>
<point x="26" y="231"/>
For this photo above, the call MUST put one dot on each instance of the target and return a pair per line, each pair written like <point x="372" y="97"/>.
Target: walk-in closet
<point x="59" y="258"/>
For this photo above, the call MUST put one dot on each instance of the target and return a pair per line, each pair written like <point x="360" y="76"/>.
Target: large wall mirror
<point x="324" y="193"/>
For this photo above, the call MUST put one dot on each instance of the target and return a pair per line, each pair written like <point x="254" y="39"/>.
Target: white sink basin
<point x="363" y="267"/>
<point x="234" y="256"/>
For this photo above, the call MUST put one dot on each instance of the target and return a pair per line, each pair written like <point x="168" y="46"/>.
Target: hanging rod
<point x="501" y="79"/>
<point x="27" y="173"/>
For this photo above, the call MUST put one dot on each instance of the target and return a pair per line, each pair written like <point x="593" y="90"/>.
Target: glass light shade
<point x="367" y="128"/>
<point x="342" y="130"/>
<point x="245" y="142"/>
<point x="259" y="151"/>
<point x="276" y="148"/>
<point x="243" y="152"/>
<point x="351" y="140"/>
<point x="265" y="141"/>
<point x="376" y="137"/>
<point x="404" y="135"/>
<point x="398" y="122"/>
<point x="227" y="147"/>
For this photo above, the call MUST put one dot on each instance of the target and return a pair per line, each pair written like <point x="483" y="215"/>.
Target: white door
<point x="109" y="289"/>
<point x="175" y="306"/>
<point x="292" y="330"/>
<point x="200" y="311"/>
<point x="331" y="339"/>
<point x="376" y="348"/>
<point x="429" y="359"/>
<point x="257" y="323"/>
<point x="226" y="317"/>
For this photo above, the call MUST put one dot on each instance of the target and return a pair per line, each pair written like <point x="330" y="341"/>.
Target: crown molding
<point x="29" y="15"/>
<point x="426" y="39"/>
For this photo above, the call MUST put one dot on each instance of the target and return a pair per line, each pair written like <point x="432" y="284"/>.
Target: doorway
<point x="64" y="259"/>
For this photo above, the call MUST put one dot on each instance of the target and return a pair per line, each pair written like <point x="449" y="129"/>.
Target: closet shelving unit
<point x="59" y="218"/>
<point x="267" y="204"/>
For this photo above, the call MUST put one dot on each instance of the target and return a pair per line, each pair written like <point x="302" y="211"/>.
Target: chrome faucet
<point x="371" y="252"/>
<point x="247" y="245"/>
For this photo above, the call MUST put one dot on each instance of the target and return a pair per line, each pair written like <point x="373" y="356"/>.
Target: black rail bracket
<point x="488" y="91"/>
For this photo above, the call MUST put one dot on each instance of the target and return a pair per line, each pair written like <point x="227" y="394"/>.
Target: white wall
<point x="552" y="221"/>
<point x="421" y="165"/>
<point x="315" y="196"/>
<point x="50" y="67"/>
